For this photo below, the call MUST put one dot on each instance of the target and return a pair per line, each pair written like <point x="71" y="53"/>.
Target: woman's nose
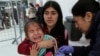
<point x="49" y="15"/>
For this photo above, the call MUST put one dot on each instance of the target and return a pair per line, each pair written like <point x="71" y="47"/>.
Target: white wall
<point x="65" y="5"/>
<point x="41" y="2"/>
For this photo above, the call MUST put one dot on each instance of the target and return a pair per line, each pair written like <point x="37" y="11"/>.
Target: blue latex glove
<point x="66" y="49"/>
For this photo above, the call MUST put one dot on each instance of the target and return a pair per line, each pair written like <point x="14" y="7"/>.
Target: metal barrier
<point x="12" y="30"/>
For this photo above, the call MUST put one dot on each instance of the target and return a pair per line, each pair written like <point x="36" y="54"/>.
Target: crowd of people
<point x="50" y="38"/>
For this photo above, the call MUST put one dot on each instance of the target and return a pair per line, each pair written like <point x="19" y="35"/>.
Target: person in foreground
<point x="33" y="45"/>
<point x="87" y="19"/>
<point x="53" y="22"/>
<point x="53" y="25"/>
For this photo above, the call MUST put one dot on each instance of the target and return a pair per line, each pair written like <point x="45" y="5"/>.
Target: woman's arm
<point x="47" y="43"/>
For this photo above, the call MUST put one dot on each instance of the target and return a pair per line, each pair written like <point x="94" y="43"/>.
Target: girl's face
<point x="50" y="16"/>
<point x="83" y="23"/>
<point x="35" y="32"/>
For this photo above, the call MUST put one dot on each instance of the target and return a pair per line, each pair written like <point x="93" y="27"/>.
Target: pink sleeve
<point x="49" y="54"/>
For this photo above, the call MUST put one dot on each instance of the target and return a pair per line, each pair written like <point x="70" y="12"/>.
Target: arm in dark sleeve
<point x="81" y="50"/>
<point x="93" y="50"/>
<point x="23" y="48"/>
<point x="96" y="48"/>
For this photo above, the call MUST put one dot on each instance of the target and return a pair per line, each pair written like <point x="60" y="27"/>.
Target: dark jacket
<point x="94" y="33"/>
<point x="0" y="15"/>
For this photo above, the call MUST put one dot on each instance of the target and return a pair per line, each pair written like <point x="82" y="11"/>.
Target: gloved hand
<point x="66" y="49"/>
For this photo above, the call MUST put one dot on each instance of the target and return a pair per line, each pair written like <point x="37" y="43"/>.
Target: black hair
<point x="83" y="6"/>
<point x="59" y="28"/>
<point x="57" y="7"/>
<point x="31" y="22"/>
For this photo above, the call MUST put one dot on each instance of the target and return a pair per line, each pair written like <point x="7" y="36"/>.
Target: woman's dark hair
<point x="59" y="28"/>
<point x="83" y="6"/>
<point x="31" y="22"/>
<point x="56" y="6"/>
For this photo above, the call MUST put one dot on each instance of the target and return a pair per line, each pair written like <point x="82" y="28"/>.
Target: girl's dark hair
<point x="59" y="28"/>
<point x="83" y="6"/>
<point x="31" y="22"/>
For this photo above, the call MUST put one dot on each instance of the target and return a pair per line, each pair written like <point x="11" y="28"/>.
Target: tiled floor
<point x="8" y="49"/>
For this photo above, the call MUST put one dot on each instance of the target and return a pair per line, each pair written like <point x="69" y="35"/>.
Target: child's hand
<point x="34" y="50"/>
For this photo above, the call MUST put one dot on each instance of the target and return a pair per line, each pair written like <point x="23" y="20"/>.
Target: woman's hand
<point x="46" y="43"/>
<point x="34" y="50"/>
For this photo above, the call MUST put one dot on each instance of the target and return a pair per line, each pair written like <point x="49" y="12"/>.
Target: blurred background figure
<point x="5" y="19"/>
<point x="15" y="15"/>
<point x="32" y="11"/>
<point x="0" y="19"/>
<point x="39" y="12"/>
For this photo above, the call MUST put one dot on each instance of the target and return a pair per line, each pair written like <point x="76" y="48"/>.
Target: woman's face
<point x="50" y="16"/>
<point x="35" y="33"/>
<point x="82" y="23"/>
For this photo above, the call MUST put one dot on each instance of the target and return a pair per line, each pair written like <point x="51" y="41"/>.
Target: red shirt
<point x="23" y="47"/>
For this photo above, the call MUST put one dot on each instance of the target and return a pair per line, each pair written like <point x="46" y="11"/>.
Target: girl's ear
<point x="88" y="16"/>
